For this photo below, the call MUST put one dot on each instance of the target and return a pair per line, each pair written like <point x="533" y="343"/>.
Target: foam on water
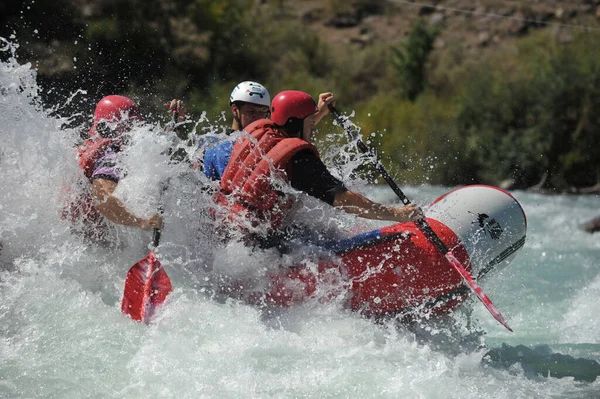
<point x="62" y="335"/>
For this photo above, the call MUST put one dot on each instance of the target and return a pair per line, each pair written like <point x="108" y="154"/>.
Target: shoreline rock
<point x="592" y="226"/>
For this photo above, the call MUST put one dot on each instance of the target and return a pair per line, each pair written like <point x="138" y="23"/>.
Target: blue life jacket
<point x="217" y="158"/>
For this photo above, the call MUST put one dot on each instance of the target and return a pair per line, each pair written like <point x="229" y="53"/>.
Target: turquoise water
<point x="62" y="335"/>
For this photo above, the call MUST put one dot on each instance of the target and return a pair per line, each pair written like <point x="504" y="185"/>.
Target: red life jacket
<point x="247" y="181"/>
<point x="79" y="209"/>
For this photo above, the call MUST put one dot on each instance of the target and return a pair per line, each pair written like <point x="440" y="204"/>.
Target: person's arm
<point x="310" y="175"/>
<point x="114" y="210"/>
<point x="356" y="204"/>
<point x="324" y="100"/>
<point x="179" y="107"/>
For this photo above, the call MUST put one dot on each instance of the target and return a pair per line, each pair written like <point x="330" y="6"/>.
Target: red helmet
<point x="114" y="109"/>
<point x="292" y="104"/>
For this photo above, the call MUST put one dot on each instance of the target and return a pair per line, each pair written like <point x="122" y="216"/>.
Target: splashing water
<point x="62" y="335"/>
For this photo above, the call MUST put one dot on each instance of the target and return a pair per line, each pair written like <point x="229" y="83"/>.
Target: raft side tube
<point x="489" y="222"/>
<point x="397" y="268"/>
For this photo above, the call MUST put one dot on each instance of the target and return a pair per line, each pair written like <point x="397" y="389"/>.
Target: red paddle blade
<point x="487" y="302"/>
<point x="147" y="285"/>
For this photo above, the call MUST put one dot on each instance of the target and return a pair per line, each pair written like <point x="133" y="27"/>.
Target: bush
<point x="452" y="119"/>
<point x="410" y="59"/>
<point x="533" y="116"/>
<point x="419" y="141"/>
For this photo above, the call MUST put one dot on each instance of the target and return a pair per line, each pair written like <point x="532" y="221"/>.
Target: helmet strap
<point x="236" y="117"/>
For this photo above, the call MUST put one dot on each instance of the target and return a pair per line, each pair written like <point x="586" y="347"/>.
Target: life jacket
<point x="246" y="188"/>
<point x="79" y="209"/>
<point x="89" y="152"/>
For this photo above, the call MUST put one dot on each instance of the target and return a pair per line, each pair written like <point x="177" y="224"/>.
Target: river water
<point x="62" y="334"/>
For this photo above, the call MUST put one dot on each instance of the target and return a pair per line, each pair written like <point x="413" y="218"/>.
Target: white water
<point x="62" y="334"/>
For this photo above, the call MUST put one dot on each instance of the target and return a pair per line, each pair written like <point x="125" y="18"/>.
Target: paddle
<point x="147" y="285"/>
<point x="421" y="224"/>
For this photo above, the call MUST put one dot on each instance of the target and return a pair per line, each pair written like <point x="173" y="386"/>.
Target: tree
<point x="411" y="58"/>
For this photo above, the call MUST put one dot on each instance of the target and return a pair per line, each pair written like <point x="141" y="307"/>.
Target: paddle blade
<point x="487" y="302"/>
<point x="147" y="285"/>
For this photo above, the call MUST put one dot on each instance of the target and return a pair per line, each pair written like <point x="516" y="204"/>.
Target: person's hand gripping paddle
<point x="422" y="224"/>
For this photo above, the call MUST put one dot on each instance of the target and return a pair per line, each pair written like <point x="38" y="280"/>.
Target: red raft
<point x="396" y="269"/>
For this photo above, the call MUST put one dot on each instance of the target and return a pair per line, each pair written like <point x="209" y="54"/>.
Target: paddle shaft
<point x="422" y="224"/>
<point x="156" y="232"/>
<point x="146" y="284"/>
<point x="155" y="238"/>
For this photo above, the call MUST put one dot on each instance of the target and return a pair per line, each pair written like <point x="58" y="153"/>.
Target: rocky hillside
<point x="346" y="24"/>
<point x="481" y="24"/>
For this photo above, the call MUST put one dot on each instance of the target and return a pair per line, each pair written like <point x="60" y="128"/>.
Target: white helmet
<point x="250" y="92"/>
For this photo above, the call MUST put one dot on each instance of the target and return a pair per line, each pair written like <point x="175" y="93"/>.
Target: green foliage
<point x="420" y="138"/>
<point x="410" y="59"/>
<point x="340" y="6"/>
<point x="535" y="115"/>
<point x="440" y="116"/>
<point x="298" y="59"/>
<point x="358" y="76"/>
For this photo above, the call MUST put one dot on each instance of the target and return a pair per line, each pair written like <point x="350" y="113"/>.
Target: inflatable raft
<point x="397" y="270"/>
